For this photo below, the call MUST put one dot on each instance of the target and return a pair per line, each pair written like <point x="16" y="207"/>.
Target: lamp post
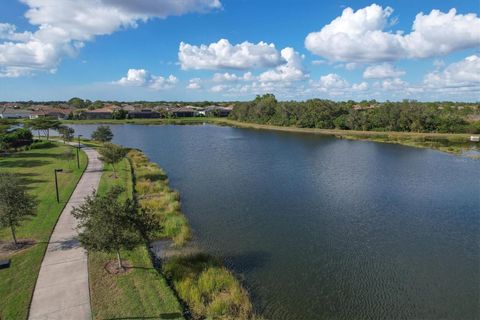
<point x="78" y="149"/>
<point x="56" y="183"/>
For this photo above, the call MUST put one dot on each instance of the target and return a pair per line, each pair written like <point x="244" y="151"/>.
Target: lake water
<point x="324" y="228"/>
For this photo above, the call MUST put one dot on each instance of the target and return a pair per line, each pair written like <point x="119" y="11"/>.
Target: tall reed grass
<point x="155" y="195"/>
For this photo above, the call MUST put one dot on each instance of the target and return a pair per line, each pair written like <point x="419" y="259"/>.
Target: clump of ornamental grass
<point x="210" y="290"/>
<point x="155" y="195"/>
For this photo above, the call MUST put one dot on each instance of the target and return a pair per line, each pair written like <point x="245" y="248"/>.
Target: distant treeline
<point x="407" y="115"/>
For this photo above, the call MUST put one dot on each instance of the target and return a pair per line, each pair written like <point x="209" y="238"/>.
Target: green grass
<point x="142" y="292"/>
<point x="35" y="167"/>
<point x="154" y="194"/>
<point x="210" y="290"/>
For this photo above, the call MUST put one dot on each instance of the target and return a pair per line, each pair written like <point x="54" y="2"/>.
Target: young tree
<point x="5" y="125"/>
<point x="112" y="154"/>
<point x="16" y="139"/>
<point x="15" y="203"/>
<point x="102" y="134"/>
<point x="77" y="103"/>
<point x="108" y="224"/>
<point x="66" y="133"/>
<point x="69" y="155"/>
<point x="44" y="125"/>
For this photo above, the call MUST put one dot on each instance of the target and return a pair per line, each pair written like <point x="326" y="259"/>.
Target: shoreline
<point x="191" y="273"/>
<point x="452" y="143"/>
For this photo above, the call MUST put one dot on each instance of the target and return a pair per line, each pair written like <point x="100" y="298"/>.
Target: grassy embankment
<point x="142" y="293"/>
<point x="208" y="289"/>
<point x="455" y="143"/>
<point x="35" y="167"/>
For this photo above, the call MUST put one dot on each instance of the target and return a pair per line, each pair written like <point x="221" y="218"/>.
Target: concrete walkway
<point x="62" y="290"/>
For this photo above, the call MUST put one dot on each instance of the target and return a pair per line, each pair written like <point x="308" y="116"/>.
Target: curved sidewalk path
<point x="62" y="290"/>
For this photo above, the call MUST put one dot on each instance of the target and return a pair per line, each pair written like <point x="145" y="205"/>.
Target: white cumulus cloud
<point x="292" y="70"/>
<point x="63" y="27"/>
<point x="464" y="74"/>
<point x="384" y="70"/>
<point x="361" y="36"/>
<point x="223" y="55"/>
<point x="194" y="84"/>
<point x="231" y="77"/>
<point x="142" y="78"/>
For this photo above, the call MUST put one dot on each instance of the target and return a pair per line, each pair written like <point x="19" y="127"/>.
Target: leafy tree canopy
<point x="15" y="203"/>
<point x="102" y="134"/>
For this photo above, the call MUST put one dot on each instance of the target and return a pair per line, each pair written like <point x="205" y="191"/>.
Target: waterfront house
<point x="143" y="114"/>
<point x="218" y="111"/>
<point x="13" y="113"/>
<point x="48" y="112"/>
<point x="128" y="107"/>
<point x="184" y="112"/>
<point x="475" y="138"/>
<point x="102" y="113"/>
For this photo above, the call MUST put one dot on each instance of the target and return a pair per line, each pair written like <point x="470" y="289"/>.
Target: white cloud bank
<point x="460" y="76"/>
<point x="292" y="70"/>
<point x="360" y="36"/>
<point x="384" y="70"/>
<point x="142" y="78"/>
<point x="223" y="55"/>
<point x="64" y="26"/>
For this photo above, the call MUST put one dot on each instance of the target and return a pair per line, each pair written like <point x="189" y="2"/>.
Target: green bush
<point x="209" y="289"/>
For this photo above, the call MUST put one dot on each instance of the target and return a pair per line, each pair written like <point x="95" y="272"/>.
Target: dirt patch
<point x="112" y="267"/>
<point x="8" y="247"/>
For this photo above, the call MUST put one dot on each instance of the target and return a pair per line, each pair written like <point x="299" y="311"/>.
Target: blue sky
<point x="99" y="49"/>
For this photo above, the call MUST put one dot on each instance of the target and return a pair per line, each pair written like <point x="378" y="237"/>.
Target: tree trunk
<point x="12" y="228"/>
<point x="119" y="261"/>
<point x="114" y="171"/>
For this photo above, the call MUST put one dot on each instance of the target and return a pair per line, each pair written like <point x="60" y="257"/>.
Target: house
<point x="128" y="107"/>
<point x="475" y="138"/>
<point x="58" y="113"/>
<point x="218" y="111"/>
<point x="13" y="113"/>
<point x="143" y="114"/>
<point x="102" y="113"/>
<point x="183" y="112"/>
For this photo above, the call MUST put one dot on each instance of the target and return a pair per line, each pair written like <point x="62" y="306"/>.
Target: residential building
<point x="14" y="113"/>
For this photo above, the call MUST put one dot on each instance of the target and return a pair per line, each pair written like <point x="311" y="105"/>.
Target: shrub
<point x="157" y="197"/>
<point x="209" y="289"/>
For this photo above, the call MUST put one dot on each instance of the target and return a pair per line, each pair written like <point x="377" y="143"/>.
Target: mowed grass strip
<point x="35" y="167"/>
<point x="140" y="293"/>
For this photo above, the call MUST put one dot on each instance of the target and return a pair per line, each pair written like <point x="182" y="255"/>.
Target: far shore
<point x="455" y="143"/>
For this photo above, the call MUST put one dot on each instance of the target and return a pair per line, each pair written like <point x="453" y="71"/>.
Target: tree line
<point x="408" y="115"/>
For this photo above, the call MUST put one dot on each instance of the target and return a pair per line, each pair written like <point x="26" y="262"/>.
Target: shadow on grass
<point x="23" y="163"/>
<point x="155" y="176"/>
<point x="171" y="315"/>
<point x="28" y="178"/>
<point x="34" y="155"/>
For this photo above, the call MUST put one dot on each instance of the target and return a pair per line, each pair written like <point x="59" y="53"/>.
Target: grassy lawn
<point x="140" y="293"/>
<point x="35" y="167"/>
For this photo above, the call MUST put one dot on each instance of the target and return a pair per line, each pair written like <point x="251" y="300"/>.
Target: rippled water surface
<point x="321" y="228"/>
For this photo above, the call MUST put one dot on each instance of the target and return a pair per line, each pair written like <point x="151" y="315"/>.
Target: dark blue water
<point x="322" y="228"/>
